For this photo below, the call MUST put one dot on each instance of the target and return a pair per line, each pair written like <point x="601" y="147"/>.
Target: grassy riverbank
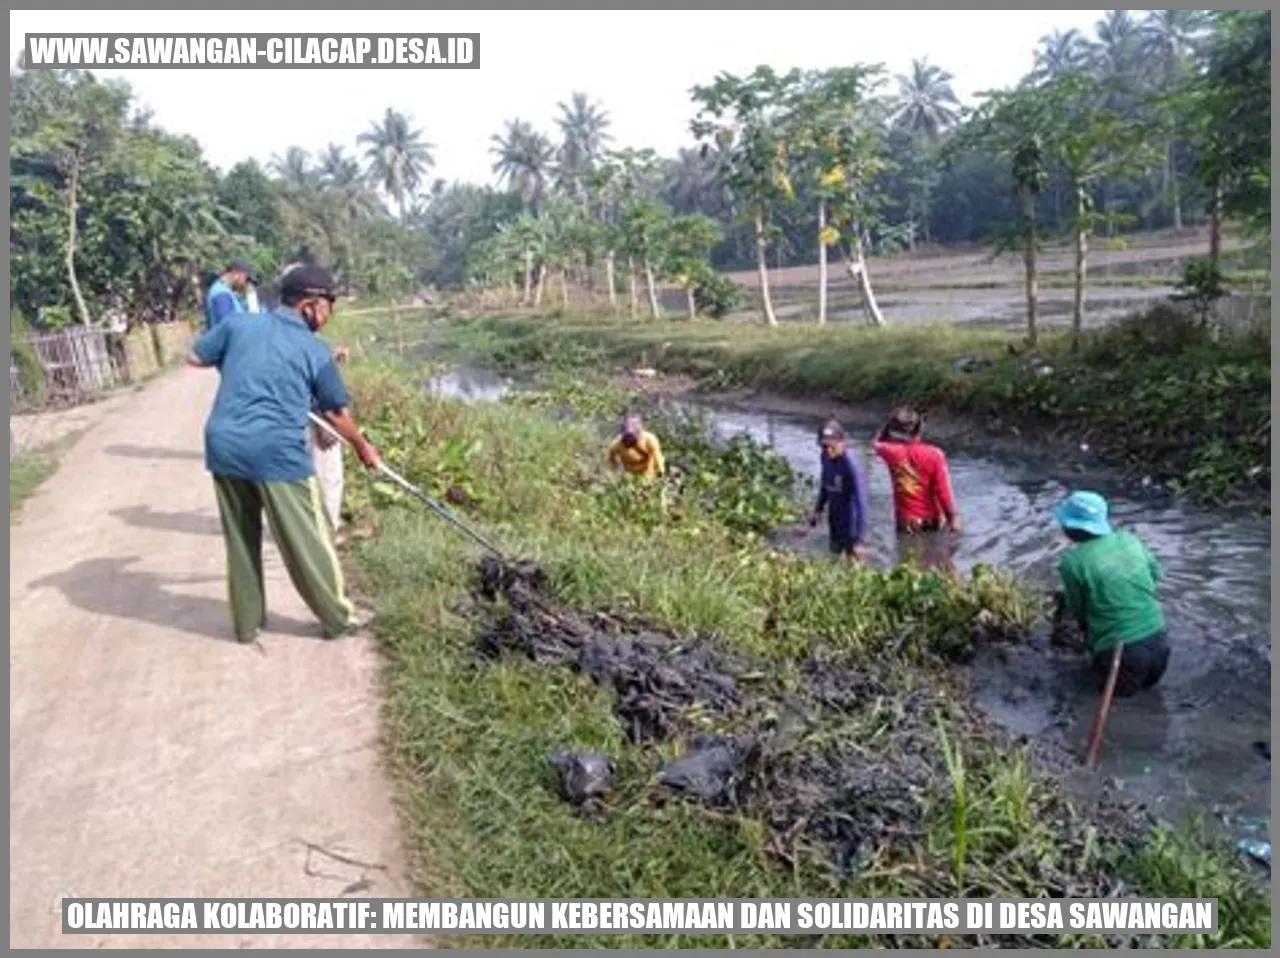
<point x="1155" y="395"/>
<point x="869" y="774"/>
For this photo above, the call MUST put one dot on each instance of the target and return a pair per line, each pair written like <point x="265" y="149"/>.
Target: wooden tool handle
<point x="1104" y="707"/>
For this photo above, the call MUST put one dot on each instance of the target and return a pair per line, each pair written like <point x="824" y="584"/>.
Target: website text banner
<point x="252" y="51"/>
<point x="1108" y="916"/>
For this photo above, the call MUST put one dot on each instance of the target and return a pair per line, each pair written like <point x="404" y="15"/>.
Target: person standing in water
<point x="1109" y="588"/>
<point x="842" y="494"/>
<point x="923" y="503"/>
<point x="636" y="451"/>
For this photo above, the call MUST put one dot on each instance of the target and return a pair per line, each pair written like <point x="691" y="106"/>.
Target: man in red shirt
<point x="922" y="500"/>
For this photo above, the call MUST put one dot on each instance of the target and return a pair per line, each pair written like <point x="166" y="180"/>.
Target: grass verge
<point x="1156" y="394"/>
<point x="918" y="795"/>
<point x="30" y="469"/>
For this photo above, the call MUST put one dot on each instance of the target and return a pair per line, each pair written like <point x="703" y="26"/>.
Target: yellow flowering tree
<point x="840" y="155"/>
<point x="744" y="118"/>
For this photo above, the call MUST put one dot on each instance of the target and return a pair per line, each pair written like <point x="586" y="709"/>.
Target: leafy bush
<point x="1202" y="284"/>
<point x="717" y="296"/>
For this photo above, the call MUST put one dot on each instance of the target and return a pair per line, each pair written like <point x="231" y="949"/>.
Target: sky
<point x="638" y="64"/>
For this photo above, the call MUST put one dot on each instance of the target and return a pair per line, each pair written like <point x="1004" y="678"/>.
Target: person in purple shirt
<point x="842" y="494"/>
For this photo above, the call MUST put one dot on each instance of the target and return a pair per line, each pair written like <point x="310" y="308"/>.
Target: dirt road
<point x="150" y="754"/>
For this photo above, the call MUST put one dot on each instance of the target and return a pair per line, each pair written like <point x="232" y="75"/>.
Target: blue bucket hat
<point x="1083" y="511"/>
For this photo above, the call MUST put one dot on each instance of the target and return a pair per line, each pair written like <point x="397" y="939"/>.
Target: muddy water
<point x="1187" y="746"/>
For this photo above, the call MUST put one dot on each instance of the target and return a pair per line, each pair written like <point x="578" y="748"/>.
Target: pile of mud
<point x="842" y="762"/>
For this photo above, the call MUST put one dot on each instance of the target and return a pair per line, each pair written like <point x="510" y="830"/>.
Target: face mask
<point x="630" y="439"/>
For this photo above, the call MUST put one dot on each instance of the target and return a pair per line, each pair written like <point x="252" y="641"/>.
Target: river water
<point x="1194" y="744"/>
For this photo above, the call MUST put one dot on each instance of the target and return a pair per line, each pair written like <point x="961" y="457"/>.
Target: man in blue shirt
<point x="842" y="494"/>
<point x="223" y="298"/>
<point x="272" y="372"/>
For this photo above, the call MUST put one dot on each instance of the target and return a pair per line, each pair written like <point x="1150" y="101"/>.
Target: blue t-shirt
<point x="220" y="303"/>
<point x="274" y="370"/>
<point x="843" y="492"/>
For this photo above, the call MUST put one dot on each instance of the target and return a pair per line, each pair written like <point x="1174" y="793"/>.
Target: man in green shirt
<point x="1109" y="587"/>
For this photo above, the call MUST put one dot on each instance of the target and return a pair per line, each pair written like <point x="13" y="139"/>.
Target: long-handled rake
<point x="461" y="525"/>
<point x="438" y="508"/>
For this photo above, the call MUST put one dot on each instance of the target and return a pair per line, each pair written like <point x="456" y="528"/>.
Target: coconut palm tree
<point x="694" y="183"/>
<point x="1117" y="53"/>
<point x="584" y="131"/>
<point x="294" y="167"/>
<point x="336" y="168"/>
<point x="398" y="157"/>
<point x="524" y="159"/>
<point x="1170" y="38"/>
<point x="925" y="103"/>
<point x="1059" y="53"/>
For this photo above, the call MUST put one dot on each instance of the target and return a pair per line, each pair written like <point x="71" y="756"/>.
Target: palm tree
<point x="694" y="183"/>
<point x="1170" y="38"/>
<point x="398" y="157"/>
<point x="925" y="104"/>
<point x="523" y="160"/>
<point x="294" y="167"/>
<point x="584" y="130"/>
<point x="1059" y="53"/>
<point x="924" y="108"/>
<point x="1117" y="53"/>
<point x="336" y="168"/>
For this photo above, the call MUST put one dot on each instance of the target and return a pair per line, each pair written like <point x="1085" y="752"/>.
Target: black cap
<point x="831" y="430"/>
<point x="243" y="266"/>
<point x="905" y="422"/>
<point x="306" y="281"/>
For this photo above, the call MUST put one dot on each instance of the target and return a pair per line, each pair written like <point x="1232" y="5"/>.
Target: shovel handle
<point x="1104" y="707"/>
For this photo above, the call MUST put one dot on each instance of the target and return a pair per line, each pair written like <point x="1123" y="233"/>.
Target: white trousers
<point x="329" y="474"/>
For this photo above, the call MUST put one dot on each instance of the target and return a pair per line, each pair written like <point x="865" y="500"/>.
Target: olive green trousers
<point x="298" y="524"/>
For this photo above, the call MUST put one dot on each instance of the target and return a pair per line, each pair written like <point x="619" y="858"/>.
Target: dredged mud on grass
<point x="843" y="763"/>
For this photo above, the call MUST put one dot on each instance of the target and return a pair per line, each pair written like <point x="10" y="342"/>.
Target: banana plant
<point x="644" y="223"/>
<point x="687" y="244"/>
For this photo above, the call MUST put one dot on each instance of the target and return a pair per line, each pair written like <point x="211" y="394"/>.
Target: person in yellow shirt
<point x="637" y="451"/>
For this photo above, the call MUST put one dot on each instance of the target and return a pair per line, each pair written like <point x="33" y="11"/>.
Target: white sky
<point x="639" y="64"/>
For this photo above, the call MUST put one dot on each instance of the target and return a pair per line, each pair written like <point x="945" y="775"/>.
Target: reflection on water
<point x="1188" y="744"/>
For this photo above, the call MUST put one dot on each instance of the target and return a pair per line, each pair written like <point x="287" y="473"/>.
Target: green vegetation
<point x="29" y="470"/>
<point x="1158" y="394"/>
<point x="856" y="655"/>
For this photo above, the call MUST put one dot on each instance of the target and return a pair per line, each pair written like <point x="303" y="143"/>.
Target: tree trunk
<point x="822" y="264"/>
<point x="1215" y="224"/>
<point x="856" y="264"/>
<point x="692" y="300"/>
<point x="1177" y="197"/>
<point x="654" y="309"/>
<point x="1082" y="244"/>
<point x="635" y="289"/>
<point x="73" y="211"/>
<point x="1029" y="262"/>
<point x="539" y="283"/>
<point x="1109" y="192"/>
<point x="608" y="272"/>
<point x="564" y="287"/>
<point x="762" y="266"/>
<point x="1172" y="193"/>
<point x="526" y="297"/>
